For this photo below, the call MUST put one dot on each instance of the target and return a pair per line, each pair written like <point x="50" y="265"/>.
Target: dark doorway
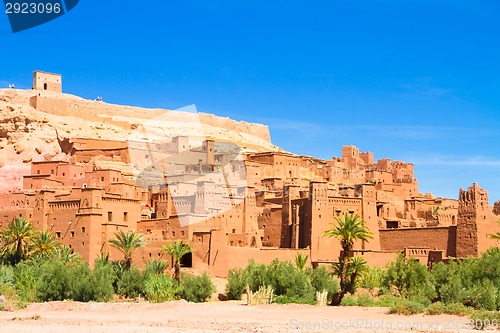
<point x="187" y="260"/>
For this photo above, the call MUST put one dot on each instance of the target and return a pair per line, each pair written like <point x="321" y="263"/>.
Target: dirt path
<point x="181" y="316"/>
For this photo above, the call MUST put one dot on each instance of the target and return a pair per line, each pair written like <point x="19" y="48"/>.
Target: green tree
<point x="356" y="268"/>
<point x="44" y="244"/>
<point x="347" y="229"/>
<point x="177" y="250"/>
<point x="17" y="237"/>
<point x="127" y="243"/>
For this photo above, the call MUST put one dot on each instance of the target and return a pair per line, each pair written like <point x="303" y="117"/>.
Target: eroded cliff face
<point x="29" y="120"/>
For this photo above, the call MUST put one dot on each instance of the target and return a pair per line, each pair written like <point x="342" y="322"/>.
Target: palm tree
<point x="17" y="237"/>
<point x="177" y="250"/>
<point x="127" y="243"/>
<point x="356" y="268"/>
<point x="44" y="244"/>
<point x="156" y="266"/>
<point x="301" y="260"/>
<point x="347" y="229"/>
<point x="66" y="254"/>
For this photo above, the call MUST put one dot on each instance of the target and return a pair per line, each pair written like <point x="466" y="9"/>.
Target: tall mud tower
<point x="472" y="206"/>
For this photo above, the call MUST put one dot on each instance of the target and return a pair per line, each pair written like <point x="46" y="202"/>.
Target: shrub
<point x="11" y="299"/>
<point x="255" y="275"/>
<point x="196" y="288"/>
<point x="159" y="288"/>
<point x="410" y="278"/>
<point x="349" y="300"/>
<point x="485" y="319"/>
<point x="24" y="280"/>
<point x="53" y="282"/>
<point x="130" y="283"/>
<point x="323" y="279"/>
<point x="435" y="309"/>
<point x="79" y="281"/>
<point x="102" y="282"/>
<point x="288" y="280"/>
<point x="6" y="275"/>
<point x="372" y="278"/>
<point x="458" y="309"/>
<point x="235" y="284"/>
<point x="406" y="307"/>
<point x="364" y="299"/>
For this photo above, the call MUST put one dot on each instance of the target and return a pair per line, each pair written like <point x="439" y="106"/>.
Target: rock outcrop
<point x="29" y="120"/>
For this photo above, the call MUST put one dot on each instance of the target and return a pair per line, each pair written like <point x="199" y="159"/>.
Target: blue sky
<point x="417" y="81"/>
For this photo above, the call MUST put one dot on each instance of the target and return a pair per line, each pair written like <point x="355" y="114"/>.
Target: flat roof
<point x="37" y="71"/>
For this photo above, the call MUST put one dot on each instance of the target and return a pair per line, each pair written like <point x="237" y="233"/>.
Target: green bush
<point x="364" y="299"/>
<point x="484" y="319"/>
<point x="102" y="281"/>
<point x="196" y="288"/>
<point x="457" y="309"/>
<point x="410" y="279"/>
<point x="372" y="278"/>
<point x="284" y="299"/>
<point x="323" y="279"/>
<point x="53" y="282"/>
<point x="473" y="282"/>
<point x="131" y="283"/>
<point x="236" y="284"/>
<point x="6" y="275"/>
<point x="288" y="280"/>
<point x="435" y="309"/>
<point x="159" y="288"/>
<point x="255" y="275"/>
<point x="80" y="285"/>
<point x="11" y="301"/>
<point x="349" y="300"/>
<point x="25" y="281"/>
<point x="406" y="307"/>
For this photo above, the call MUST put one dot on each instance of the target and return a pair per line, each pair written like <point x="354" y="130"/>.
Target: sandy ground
<point x="217" y="316"/>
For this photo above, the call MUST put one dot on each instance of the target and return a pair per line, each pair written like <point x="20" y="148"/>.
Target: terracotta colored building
<point x="232" y="206"/>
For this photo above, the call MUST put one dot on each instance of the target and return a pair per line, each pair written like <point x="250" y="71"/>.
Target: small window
<point x="58" y="234"/>
<point x="83" y="229"/>
<point x="83" y="243"/>
<point x="392" y="224"/>
<point x="173" y="233"/>
<point x="52" y="171"/>
<point x="64" y="174"/>
<point x="102" y="179"/>
<point x="234" y="231"/>
<point x="45" y="86"/>
<point x="72" y="233"/>
<point x="125" y="216"/>
<point x="110" y="216"/>
<point x="37" y="172"/>
<point x="182" y="233"/>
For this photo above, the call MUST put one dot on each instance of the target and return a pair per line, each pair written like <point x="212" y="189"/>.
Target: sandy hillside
<point x="29" y="134"/>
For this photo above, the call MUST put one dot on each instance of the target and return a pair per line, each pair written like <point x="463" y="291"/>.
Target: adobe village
<point x="84" y="169"/>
